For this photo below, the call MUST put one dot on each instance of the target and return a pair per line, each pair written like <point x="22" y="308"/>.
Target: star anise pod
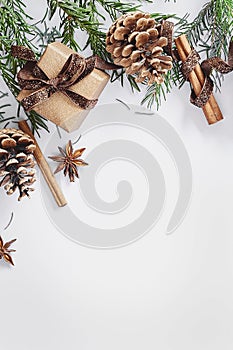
<point x="5" y="251"/>
<point x="69" y="161"/>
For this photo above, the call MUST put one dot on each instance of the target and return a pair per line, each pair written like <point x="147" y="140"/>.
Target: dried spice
<point x="5" y="251"/>
<point x="69" y="161"/>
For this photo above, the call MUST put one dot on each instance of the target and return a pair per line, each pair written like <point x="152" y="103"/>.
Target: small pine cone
<point x="16" y="161"/>
<point x="134" y="43"/>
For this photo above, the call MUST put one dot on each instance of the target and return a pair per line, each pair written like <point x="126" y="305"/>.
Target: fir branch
<point x="213" y="28"/>
<point x="88" y="16"/>
<point x="77" y="15"/>
<point x="15" y="29"/>
<point x="115" y="8"/>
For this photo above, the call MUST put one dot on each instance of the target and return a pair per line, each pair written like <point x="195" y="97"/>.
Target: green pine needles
<point x="88" y="16"/>
<point x="210" y="33"/>
<point x="15" y="29"/>
<point x="212" y="29"/>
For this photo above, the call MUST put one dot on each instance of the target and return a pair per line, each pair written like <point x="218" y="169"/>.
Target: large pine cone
<point x="16" y="161"/>
<point x="135" y="43"/>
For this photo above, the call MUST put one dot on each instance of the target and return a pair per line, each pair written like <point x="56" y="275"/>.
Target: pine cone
<point x="16" y="161"/>
<point x="135" y="43"/>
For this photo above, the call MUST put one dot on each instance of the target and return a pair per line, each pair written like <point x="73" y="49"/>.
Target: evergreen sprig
<point x="212" y="29"/>
<point x="15" y="29"/>
<point x="88" y="16"/>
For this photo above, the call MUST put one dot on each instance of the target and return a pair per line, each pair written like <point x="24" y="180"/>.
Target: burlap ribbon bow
<point x="31" y="77"/>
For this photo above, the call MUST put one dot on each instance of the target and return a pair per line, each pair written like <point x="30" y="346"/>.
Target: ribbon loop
<point x="203" y="97"/>
<point x="207" y="66"/>
<point x="72" y="69"/>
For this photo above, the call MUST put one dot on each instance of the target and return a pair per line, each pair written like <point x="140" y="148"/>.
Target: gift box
<point x="59" y="108"/>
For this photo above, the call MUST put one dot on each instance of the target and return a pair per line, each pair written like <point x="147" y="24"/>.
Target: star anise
<point x="69" y="161"/>
<point x="5" y="251"/>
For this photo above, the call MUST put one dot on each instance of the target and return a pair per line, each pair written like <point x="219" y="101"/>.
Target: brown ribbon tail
<point x="230" y="53"/>
<point x="104" y="65"/>
<point x="166" y="30"/>
<point x="203" y="97"/>
<point x="79" y="100"/>
<point x="22" y="52"/>
<point x="37" y="97"/>
<point x="218" y="64"/>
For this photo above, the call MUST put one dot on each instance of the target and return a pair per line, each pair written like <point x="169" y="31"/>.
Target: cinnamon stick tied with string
<point x="44" y="167"/>
<point x="202" y="86"/>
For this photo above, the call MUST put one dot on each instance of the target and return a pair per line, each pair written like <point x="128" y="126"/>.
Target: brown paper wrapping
<point x="58" y="108"/>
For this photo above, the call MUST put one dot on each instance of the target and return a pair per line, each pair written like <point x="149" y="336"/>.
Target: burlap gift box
<point x="59" y="109"/>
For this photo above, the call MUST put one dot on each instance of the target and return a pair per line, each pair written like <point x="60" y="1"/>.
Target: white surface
<point x="162" y="292"/>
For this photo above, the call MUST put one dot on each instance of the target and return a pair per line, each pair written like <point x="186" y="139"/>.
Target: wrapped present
<point x="62" y="86"/>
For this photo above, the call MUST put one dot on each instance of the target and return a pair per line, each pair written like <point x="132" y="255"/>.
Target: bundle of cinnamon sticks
<point x="211" y="109"/>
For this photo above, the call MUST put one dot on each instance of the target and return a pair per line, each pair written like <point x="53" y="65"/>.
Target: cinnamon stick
<point x="44" y="167"/>
<point x="211" y="109"/>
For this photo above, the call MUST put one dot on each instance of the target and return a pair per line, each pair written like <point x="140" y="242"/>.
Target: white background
<point x="161" y="292"/>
